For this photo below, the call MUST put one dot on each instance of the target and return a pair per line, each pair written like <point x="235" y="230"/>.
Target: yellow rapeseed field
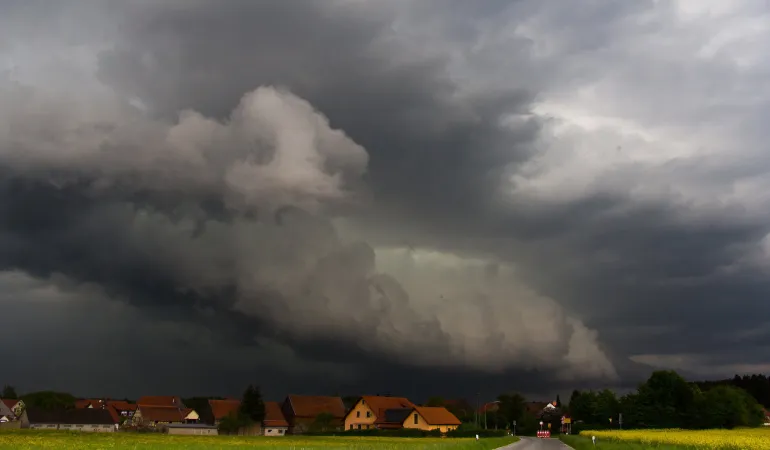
<point x="29" y="439"/>
<point x="744" y="439"/>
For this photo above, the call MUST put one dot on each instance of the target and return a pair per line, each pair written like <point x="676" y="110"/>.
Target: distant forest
<point x="757" y="385"/>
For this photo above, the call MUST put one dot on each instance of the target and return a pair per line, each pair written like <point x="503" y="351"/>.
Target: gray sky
<point x="356" y="196"/>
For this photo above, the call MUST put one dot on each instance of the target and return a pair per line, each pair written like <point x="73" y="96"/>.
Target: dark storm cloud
<point x="400" y="105"/>
<point x="196" y="184"/>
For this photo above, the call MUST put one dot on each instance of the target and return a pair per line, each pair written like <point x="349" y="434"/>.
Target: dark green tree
<point x="729" y="407"/>
<point x="9" y="392"/>
<point x="49" y="400"/>
<point x="323" y="422"/>
<point x="558" y="401"/>
<point x="202" y="406"/>
<point x="607" y="407"/>
<point x="584" y="406"/>
<point x="511" y="407"/>
<point x="666" y="400"/>
<point x="435" y="401"/>
<point x="252" y="406"/>
<point x="232" y="423"/>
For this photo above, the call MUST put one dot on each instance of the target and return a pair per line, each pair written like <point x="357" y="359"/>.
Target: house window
<point x="368" y="414"/>
<point x="359" y="426"/>
<point x="415" y="419"/>
<point x="351" y="426"/>
<point x="280" y="431"/>
<point x="358" y="414"/>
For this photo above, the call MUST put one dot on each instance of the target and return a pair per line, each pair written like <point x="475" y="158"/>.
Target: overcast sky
<point x="358" y="196"/>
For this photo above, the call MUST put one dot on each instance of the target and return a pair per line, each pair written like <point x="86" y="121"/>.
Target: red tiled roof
<point x="82" y="403"/>
<point x="160" y="413"/>
<point x="222" y="408"/>
<point x="437" y="415"/>
<point x="379" y="405"/>
<point x="274" y="416"/>
<point x="160" y="400"/>
<point x="122" y="405"/>
<point x="114" y="414"/>
<point x="310" y="406"/>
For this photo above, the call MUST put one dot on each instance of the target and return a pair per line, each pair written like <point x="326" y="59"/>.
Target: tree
<point x="232" y="423"/>
<point x="9" y="392"/>
<point x="511" y="407"/>
<point x="435" y="401"/>
<point x="202" y="406"/>
<point x="729" y="407"/>
<point x="462" y="409"/>
<point x="252" y="407"/>
<point x="607" y="407"/>
<point x="558" y="401"/>
<point x="323" y="422"/>
<point x="584" y="406"/>
<point x="49" y="400"/>
<point x="666" y="400"/>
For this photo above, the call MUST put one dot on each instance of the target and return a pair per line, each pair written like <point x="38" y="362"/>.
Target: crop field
<point x="744" y="439"/>
<point x="26" y="439"/>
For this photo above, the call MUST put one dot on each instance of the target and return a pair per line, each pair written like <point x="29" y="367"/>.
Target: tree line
<point x="666" y="400"/>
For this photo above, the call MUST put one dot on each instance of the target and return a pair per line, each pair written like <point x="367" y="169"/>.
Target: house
<point x="83" y="419"/>
<point x="767" y="417"/>
<point x="374" y="411"/>
<point x="192" y="429"/>
<point x="223" y="408"/>
<point x="161" y="400"/>
<point x="123" y="408"/>
<point x="429" y="418"/>
<point x="6" y="415"/>
<point x="275" y="423"/>
<point x="537" y="408"/>
<point x="93" y="403"/>
<point x="16" y="406"/>
<point x="162" y="416"/>
<point x="302" y="412"/>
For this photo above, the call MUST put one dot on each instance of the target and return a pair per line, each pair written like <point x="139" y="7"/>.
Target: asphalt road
<point x="529" y="443"/>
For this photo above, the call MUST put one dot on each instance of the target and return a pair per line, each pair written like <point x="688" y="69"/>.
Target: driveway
<point x="530" y="443"/>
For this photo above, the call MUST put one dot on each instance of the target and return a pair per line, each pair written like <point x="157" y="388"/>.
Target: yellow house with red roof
<point x="377" y="412"/>
<point x="429" y="418"/>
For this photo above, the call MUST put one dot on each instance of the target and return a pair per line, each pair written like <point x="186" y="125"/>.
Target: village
<point x="295" y="415"/>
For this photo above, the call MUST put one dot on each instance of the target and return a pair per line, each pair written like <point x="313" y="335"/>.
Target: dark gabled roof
<point x="274" y="416"/>
<point x="85" y="416"/>
<point x="223" y="408"/>
<point x="437" y="415"/>
<point x="396" y="415"/>
<point x="161" y="413"/>
<point x="310" y="406"/>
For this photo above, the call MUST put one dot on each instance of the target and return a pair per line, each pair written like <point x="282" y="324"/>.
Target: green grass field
<point x="25" y="439"/>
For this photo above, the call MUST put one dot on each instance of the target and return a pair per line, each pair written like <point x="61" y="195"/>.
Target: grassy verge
<point x="584" y="443"/>
<point x="25" y="439"/>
